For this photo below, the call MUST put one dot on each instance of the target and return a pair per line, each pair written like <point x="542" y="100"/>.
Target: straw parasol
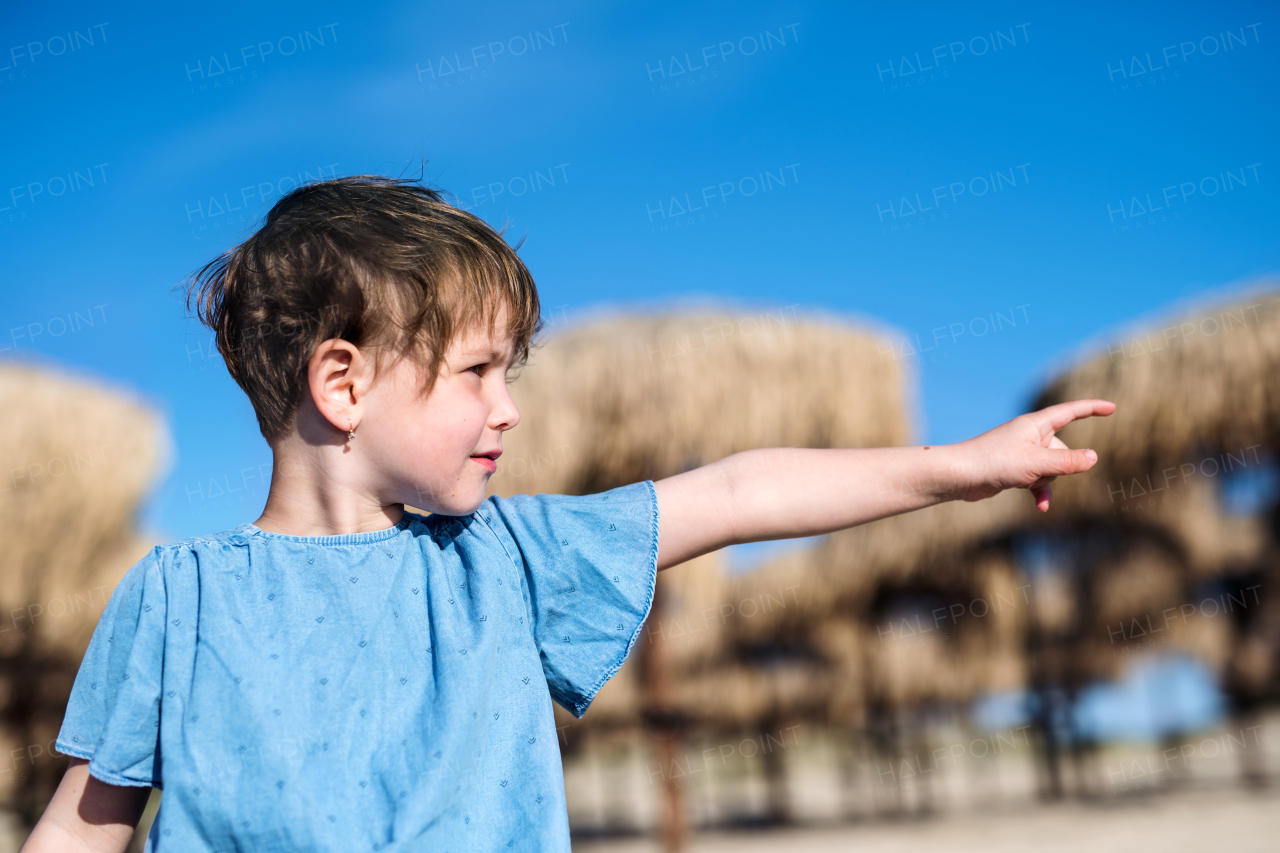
<point x="1197" y="389"/>
<point x="79" y="458"/>
<point x="1197" y="402"/>
<point x="621" y="399"/>
<point x="865" y="633"/>
<point x="625" y="398"/>
<point x="916" y="608"/>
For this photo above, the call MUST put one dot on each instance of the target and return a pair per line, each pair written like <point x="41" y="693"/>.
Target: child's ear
<point x="337" y="377"/>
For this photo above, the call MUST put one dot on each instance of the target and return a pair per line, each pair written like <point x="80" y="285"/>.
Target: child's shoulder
<point x="169" y="553"/>
<point x="231" y="536"/>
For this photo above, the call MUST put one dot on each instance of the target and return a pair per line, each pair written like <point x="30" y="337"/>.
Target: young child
<point x="342" y="675"/>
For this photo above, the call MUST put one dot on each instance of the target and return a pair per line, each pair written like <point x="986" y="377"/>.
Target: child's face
<point x="432" y="452"/>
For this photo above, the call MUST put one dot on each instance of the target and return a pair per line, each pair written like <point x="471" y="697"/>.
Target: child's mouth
<point x="487" y="461"/>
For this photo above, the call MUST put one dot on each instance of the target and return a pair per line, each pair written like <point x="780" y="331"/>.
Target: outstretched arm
<point x="781" y="493"/>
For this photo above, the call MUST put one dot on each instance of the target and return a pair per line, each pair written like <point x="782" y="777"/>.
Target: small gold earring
<point x="351" y="432"/>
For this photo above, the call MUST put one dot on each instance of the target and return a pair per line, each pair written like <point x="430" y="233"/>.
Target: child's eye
<point x="478" y="368"/>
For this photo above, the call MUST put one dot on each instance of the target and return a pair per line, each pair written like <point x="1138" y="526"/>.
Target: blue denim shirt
<point x="384" y="691"/>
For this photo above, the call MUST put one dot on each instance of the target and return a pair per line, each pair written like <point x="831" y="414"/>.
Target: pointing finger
<point x="1054" y="418"/>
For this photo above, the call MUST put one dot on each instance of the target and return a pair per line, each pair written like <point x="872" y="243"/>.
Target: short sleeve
<point x="590" y="563"/>
<point x="113" y="716"/>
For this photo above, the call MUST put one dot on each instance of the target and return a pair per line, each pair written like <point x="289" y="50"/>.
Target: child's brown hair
<point x="384" y="263"/>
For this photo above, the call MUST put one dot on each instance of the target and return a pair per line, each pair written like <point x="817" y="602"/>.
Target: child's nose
<point x="504" y="415"/>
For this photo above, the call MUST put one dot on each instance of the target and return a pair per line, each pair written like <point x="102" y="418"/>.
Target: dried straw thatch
<point x="1104" y="595"/>
<point x="1136" y="600"/>
<point x="624" y="399"/>
<point x="930" y="543"/>
<point x="1198" y="398"/>
<point x="78" y="459"/>
<point x="1143" y="538"/>
<point x="827" y="635"/>
<point x="645" y="397"/>
<point x="1189" y="390"/>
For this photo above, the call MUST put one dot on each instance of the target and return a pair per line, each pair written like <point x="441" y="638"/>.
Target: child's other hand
<point x="1025" y="453"/>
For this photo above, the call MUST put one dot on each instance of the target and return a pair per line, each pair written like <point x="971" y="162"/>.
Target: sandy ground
<point x="1198" y="822"/>
<point x="1192" y="822"/>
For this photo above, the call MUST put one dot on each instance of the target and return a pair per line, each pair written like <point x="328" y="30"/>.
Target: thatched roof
<point x="622" y="399"/>
<point x="934" y="543"/>
<point x="832" y="668"/>
<point x="78" y="459"/>
<point x="814" y="634"/>
<point x="1194" y="386"/>
<point x="1211" y="391"/>
<point x="1135" y="607"/>
<point x="648" y="397"/>
<point x="1197" y="395"/>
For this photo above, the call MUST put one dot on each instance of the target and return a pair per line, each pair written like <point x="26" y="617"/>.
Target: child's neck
<point x="314" y="495"/>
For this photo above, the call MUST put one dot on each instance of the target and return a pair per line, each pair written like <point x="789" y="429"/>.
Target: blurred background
<point x="784" y="224"/>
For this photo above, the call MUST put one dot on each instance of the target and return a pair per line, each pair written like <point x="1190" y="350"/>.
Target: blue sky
<point x="1010" y="157"/>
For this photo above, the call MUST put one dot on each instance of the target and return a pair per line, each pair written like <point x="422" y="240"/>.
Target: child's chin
<point x="456" y="506"/>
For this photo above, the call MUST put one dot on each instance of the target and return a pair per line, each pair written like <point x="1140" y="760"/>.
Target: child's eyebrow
<point x="492" y="354"/>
